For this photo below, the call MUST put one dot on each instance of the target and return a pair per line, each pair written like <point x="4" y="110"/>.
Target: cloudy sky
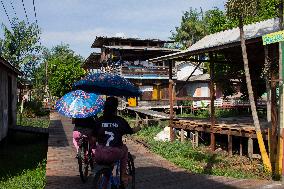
<point x="78" y="22"/>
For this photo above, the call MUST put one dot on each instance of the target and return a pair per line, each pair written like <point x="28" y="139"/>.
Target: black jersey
<point x="109" y="131"/>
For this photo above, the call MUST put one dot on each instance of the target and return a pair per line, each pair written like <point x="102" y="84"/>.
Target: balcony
<point x="155" y="72"/>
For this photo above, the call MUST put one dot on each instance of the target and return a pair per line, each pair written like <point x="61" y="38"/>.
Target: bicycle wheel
<point x="130" y="170"/>
<point x="102" y="179"/>
<point x="83" y="162"/>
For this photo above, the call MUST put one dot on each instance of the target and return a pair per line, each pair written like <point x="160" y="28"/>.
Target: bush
<point x="34" y="109"/>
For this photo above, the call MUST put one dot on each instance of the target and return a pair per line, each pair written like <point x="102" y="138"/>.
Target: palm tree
<point x="240" y="10"/>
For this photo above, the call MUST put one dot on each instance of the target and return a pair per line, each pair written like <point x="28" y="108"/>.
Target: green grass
<point x="42" y="122"/>
<point x="22" y="161"/>
<point x="202" y="160"/>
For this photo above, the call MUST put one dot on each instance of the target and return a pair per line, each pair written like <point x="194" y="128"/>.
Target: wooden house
<point x="8" y="96"/>
<point x="128" y="58"/>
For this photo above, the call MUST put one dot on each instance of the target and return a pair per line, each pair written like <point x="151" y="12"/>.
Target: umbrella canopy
<point x="79" y="104"/>
<point x="107" y="84"/>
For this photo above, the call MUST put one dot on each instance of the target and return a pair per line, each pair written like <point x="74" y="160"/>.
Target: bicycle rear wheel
<point x="102" y="179"/>
<point x="130" y="170"/>
<point x="83" y="162"/>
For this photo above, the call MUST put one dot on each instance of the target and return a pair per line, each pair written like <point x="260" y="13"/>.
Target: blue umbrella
<point x="79" y="104"/>
<point x="107" y="84"/>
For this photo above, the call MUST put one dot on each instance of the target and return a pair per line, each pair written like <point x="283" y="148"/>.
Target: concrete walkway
<point x="152" y="171"/>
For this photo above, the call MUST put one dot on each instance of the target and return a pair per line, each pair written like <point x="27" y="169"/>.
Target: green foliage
<point x="216" y="20"/>
<point x="39" y="82"/>
<point x="33" y="122"/>
<point x="28" y="179"/>
<point x="192" y="28"/>
<point x="64" y="68"/>
<point x="22" y="161"/>
<point x="201" y="160"/>
<point x="241" y="9"/>
<point x="20" y="46"/>
<point x="34" y="109"/>
<point x="196" y="24"/>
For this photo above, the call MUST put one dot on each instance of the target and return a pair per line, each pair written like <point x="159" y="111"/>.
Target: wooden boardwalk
<point x="152" y="171"/>
<point x="151" y="113"/>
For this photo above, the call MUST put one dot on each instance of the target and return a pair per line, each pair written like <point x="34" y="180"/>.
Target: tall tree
<point x="241" y="10"/>
<point x="64" y="68"/>
<point x="191" y="29"/>
<point x="20" y="46"/>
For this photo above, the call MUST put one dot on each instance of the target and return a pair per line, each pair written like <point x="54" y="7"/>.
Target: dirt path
<point x="152" y="171"/>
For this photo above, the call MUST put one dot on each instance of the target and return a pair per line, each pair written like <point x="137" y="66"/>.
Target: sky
<point x="78" y="22"/>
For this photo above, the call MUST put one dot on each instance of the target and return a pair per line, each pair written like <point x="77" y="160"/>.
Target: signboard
<point x="273" y="37"/>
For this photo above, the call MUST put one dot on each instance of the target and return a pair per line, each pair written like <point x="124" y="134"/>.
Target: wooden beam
<point x="241" y="146"/>
<point x="197" y="66"/>
<point x="274" y="122"/>
<point x="192" y="98"/>
<point x="196" y="138"/>
<point x="182" y="139"/>
<point x="212" y="97"/>
<point x="230" y="145"/>
<point x="171" y="82"/>
<point x="250" y="147"/>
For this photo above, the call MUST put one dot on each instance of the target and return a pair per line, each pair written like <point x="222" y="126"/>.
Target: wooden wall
<point x="8" y="100"/>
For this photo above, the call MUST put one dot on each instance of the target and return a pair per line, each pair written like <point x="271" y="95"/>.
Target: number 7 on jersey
<point x="111" y="137"/>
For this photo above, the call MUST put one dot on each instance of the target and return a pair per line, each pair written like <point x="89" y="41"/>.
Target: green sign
<point x="273" y="37"/>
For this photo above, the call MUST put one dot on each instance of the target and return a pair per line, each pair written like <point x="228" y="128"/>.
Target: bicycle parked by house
<point x="109" y="176"/>
<point x="84" y="157"/>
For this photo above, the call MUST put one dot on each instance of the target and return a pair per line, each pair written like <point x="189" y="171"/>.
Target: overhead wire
<point x="11" y="2"/>
<point x="6" y="12"/>
<point x="36" y="21"/>
<point x="25" y="12"/>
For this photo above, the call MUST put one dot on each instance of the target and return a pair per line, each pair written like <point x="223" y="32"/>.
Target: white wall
<point x="185" y="69"/>
<point x="192" y="87"/>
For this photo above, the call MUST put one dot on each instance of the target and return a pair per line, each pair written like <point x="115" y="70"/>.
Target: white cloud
<point x="120" y="34"/>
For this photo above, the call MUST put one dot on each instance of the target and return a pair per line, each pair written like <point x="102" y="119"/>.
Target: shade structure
<point x="107" y="84"/>
<point x="80" y="104"/>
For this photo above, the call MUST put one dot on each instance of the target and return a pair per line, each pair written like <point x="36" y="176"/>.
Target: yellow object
<point x="156" y="92"/>
<point x="132" y="102"/>
<point x="265" y="158"/>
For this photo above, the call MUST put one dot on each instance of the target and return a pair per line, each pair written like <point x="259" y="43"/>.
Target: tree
<point x="191" y="29"/>
<point x="20" y="46"/>
<point x="64" y="68"/>
<point x="241" y="10"/>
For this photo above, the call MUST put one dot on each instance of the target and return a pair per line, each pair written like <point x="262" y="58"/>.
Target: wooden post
<point x="274" y="122"/>
<point x="230" y="144"/>
<point x="241" y="146"/>
<point x="147" y="121"/>
<point x="212" y="96"/>
<point x="250" y="147"/>
<point x="196" y="138"/>
<point x="182" y="135"/>
<point x="171" y="82"/>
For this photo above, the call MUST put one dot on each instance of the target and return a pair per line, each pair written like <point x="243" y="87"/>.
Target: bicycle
<point x="84" y="157"/>
<point x="106" y="179"/>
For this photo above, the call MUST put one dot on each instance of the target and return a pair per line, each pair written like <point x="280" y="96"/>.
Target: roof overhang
<point x="9" y="66"/>
<point x="224" y="39"/>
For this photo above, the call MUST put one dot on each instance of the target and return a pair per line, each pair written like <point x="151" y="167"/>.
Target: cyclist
<point x="108" y="131"/>
<point x="83" y="126"/>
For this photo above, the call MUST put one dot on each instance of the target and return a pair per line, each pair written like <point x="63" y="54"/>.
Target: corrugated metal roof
<point x="226" y="37"/>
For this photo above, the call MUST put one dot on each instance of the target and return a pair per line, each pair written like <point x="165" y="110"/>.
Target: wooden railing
<point x="152" y="71"/>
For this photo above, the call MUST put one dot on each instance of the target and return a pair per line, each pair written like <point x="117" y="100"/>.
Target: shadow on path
<point x="57" y="135"/>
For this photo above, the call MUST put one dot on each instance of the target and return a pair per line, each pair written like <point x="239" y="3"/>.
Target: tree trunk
<point x="263" y="151"/>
